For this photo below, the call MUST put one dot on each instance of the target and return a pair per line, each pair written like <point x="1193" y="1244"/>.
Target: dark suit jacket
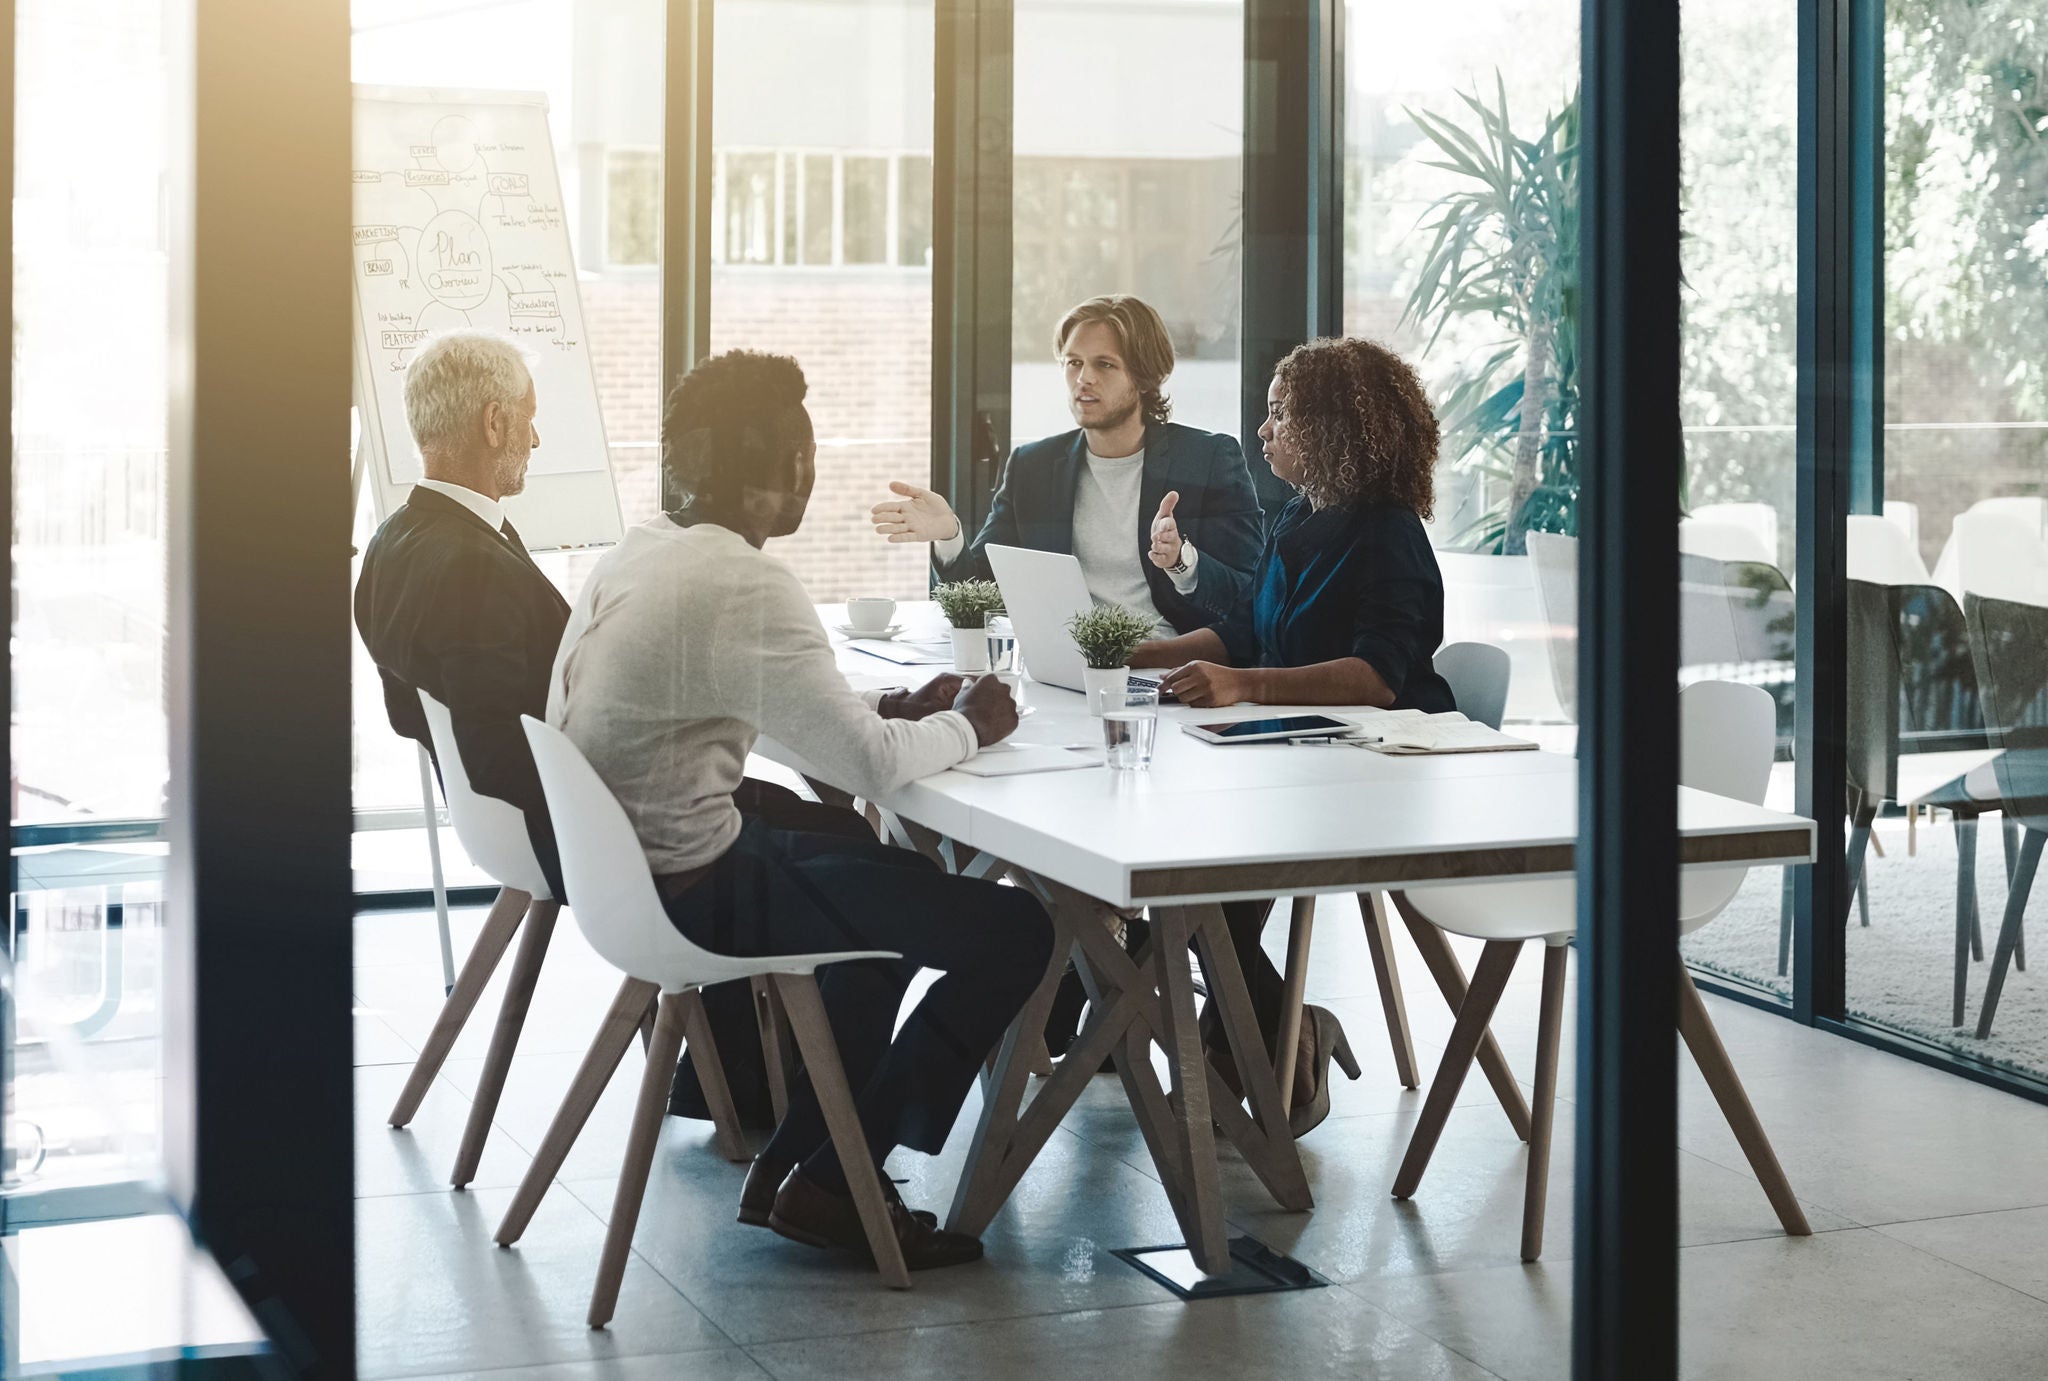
<point x="1217" y="511"/>
<point x="447" y="606"/>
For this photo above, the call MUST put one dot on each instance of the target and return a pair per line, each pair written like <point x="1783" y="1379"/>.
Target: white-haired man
<point x="449" y="601"/>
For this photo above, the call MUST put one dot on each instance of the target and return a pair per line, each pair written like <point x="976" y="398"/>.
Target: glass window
<point x="862" y="337"/>
<point x="914" y="211"/>
<point x="1939" y="814"/>
<point x="1134" y="193"/>
<point x="91" y="290"/>
<point x="866" y="238"/>
<point x="633" y="207"/>
<point x="605" y="150"/>
<point x="750" y="208"/>
<point x="1482" y="312"/>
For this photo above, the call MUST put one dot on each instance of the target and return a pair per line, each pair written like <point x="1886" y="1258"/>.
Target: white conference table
<point x="1208" y="824"/>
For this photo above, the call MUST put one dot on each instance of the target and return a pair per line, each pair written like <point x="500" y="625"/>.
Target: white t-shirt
<point x="1106" y="499"/>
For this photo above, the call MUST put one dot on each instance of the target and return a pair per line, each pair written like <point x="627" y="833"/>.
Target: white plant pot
<point x="970" y="649"/>
<point x="1095" y="680"/>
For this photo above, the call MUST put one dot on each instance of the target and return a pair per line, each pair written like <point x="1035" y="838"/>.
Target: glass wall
<point x="821" y="249"/>
<point x="1965" y="469"/>
<point x="88" y="734"/>
<point x="1129" y="163"/>
<point x="1738" y="388"/>
<point x="1443" y="107"/>
<point x="598" y="62"/>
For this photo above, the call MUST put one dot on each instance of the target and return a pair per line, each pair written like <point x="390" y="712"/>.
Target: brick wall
<point x="863" y="337"/>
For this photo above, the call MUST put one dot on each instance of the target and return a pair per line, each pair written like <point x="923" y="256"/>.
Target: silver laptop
<point x="1043" y="590"/>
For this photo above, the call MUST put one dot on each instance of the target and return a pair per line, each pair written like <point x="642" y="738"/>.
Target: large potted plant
<point x="1106" y="635"/>
<point x="968" y="605"/>
<point x="1505" y="251"/>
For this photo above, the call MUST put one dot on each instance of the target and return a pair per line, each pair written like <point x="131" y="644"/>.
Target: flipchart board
<point x="459" y="223"/>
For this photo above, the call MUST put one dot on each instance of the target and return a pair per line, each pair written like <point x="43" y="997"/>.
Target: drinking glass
<point x="1002" y="647"/>
<point x="1130" y="724"/>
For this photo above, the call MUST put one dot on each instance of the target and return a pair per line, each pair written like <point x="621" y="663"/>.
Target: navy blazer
<point x="1218" y="511"/>
<point x="447" y="606"/>
<point x="1348" y="581"/>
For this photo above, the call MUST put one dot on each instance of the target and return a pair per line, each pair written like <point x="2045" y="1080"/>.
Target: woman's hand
<point x="1206" y="684"/>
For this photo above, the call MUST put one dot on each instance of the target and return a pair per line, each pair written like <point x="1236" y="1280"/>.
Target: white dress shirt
<point x="483" y="505"/>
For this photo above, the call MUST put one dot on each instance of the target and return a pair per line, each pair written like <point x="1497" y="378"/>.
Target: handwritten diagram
<point x="459" y="223"/>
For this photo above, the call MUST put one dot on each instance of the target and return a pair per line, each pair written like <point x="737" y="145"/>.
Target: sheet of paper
<point x="1016" y="759"/>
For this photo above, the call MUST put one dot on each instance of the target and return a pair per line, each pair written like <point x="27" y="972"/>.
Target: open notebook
<point x="1450" y="732"/>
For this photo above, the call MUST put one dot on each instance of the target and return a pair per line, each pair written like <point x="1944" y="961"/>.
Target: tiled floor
<point x="1928" y="1196"/>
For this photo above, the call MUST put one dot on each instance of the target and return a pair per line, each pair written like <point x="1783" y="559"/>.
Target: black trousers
<point x="779" y="891"/>
<point x="730" y="1006"/>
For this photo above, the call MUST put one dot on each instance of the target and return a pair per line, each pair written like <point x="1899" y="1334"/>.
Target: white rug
<point x="1901" y="969"/>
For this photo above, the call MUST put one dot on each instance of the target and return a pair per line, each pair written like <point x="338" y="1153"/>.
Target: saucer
<point x="847" y="630"/>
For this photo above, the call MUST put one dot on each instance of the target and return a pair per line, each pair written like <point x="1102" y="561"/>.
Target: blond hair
<point x="1141" y="339"/>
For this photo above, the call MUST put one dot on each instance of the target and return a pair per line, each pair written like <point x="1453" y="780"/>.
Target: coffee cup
<point x="870" y="614"/>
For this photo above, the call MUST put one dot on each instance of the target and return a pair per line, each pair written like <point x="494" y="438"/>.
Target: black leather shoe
<point x="808" y="1213"/>
<point x="764" y="1178"/>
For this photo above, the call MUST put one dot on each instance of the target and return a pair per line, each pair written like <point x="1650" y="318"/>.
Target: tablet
<point x="1270" y="730"/>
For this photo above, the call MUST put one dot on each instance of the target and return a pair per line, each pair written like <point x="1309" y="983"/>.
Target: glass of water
<point x="1002" y="647"/>
<point x="1130" y="723"/>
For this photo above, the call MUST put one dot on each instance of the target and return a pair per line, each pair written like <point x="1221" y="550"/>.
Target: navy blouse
<point x="1348" y="581"/>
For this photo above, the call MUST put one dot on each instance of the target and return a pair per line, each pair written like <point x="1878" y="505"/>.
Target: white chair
<point x="1724" y="542"/>
<point x="1997" y="555"/>
<point x="1478" y="674"/>
<point x="622" y="917"/>
<point x="1760" y="520"/>
<point x="1729" y="735"/>
<point x="1881" y="552"/>
<point x="1556" y="559"/>
<point x="493" y="833"/>
<point x="1906" y="516"/>
<point x="2025" y="509"/>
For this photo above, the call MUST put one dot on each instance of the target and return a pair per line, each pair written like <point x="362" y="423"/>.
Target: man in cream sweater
<point x="687" y="642"/>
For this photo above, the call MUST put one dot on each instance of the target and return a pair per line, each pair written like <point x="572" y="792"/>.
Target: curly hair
<point x="1363" y="424"/>
<point x="725" y="420"/>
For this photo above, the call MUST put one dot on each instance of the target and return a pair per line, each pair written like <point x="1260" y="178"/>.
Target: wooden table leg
<point x="1195" y="1135"/>
<point x="1450" y="979"/>
<point x="1267" y="1142"/>
<point x="1301" y="925"/>
<point x="1489" y="981"/>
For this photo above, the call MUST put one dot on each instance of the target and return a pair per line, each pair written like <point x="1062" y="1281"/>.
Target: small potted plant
<point x="967" y="605"/>
<point x="1106" y="635"/>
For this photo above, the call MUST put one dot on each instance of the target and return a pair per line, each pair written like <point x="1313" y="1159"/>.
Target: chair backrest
<point x="1910" y="672"/>
<point x="1706" y="623"/>
<point x="1761" y="607"/>
<point x="1478" y="675"/>
<point x="1556" y="559"/>
<point x="2010" y="642"/>
<point x="604" y="869"/>
<point x="1996" y="555"/>
<point x="1728" y="737"/>
<point x="1723" y="541"/>
<point x="2028" y="510"/>
<point x="493" y="832"/>
<point x="1907" y="516"/>
<point x="1882" y="553"/>
<point x="1760" y="520"/>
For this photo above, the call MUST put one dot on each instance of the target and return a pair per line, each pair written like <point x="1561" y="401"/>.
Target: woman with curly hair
<point x="1347" y="603"/>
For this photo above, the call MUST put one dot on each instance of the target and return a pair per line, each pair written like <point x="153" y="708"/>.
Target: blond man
<point x="1128" y="491"/>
